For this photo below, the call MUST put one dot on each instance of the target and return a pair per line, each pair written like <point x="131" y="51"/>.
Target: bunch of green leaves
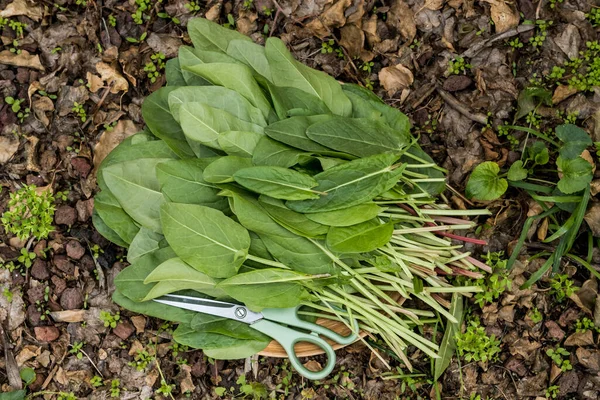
<point x="560" y="357"/>
<point x="475" y="345"/>
<point x="264" y="181"/>
<point x="567" y="188"/>
<point x="15" y="106"/>
<point x="30" y="213"/>
<point x="562" y="287"/>
<point x="494" y="284"/>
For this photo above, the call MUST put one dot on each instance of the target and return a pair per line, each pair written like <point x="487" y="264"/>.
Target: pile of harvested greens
<point x="262" y="180"/>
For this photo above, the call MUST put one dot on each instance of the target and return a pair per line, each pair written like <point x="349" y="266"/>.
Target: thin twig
<point x="458" y="106"/>
<point x="473" y="50"/>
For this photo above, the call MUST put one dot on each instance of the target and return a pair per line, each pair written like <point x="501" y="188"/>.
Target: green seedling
<point x="80" y="111"/>
<point x="141" y="360"/>
<point x="558" y="357"/>
<point x="26" y="258"/>
<point x="515" y="44"/>
<point x="475" y="345"/>
<point x="552" y="392"/>
<point x="96" y="381"/>
<point x="115" y="388"/>
<point x="140" y="40"/>
<point x="586" y="324"/>
<point x="458" y="66"/>
<point x="562" y="287"/>
<point x="109" y="319"/>
<point x="594" y="16"/>
<point x="230" y="24"/>
<point x="535" y="315"/>
<point x="30" y="213"/>
<point x="495" y="284"/>
<point x="155" y="66"/>
<point x="77" y="349"/>
<point x="15" y="106"/>
<point x="192" y="6"/>
<point x="367" y="66"/>
<point x="112" y="21"/>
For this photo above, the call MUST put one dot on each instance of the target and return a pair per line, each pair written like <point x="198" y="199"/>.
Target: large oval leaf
<point x="203" y="124"/>
<point x="205" y="238"/>
<point x="360" y="238"/>
<point x="360" y="137"/>
<point x="277" y="182"/>
<point x="267" y="288"/>
<point x="174" y="275"/>
<point x="207" y="35"/>
<point x="347" y="216"/>
<point x="351" y="183"/>
<point x="237" y="77"/>
<point x="270" y="152"/>
<point x="135" y="186"/>
<point x="222" y="169"/>
<point x="292" y="131"/>
<point x="239" y="143"/>
<point x="161" y="123"/>
<point x="251" y="54"/>
<point x="217" y="97"/>
<point x="182" y="181"/>
<point x="287" y="71"/>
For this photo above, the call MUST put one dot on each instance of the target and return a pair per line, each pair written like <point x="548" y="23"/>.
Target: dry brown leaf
<point x="402" y="18"/>
<point x="569" y="40"/>
<point x="8" y="147"/>
<point x="395" y="78"/>
<point x="20" y="7"/>
<point x="186" y="384"/>
<point x="333" y="17"/>
<point x="213" y="13"/>
<point x="585" y="297"/>
<point x="585" y="338"/>
<point x="543" y="230"/>
<point x="110" y="139"/>
<point x="27" y="353"/>
<point x="504" y="16"/>
<point x="563" y="92"/>
<point x="110" y="76"/>
<point x="21" y="60"/>
<point x="353" y="39"/>
<point x="94" y="81"/>
<point x="40" y="106"/>
<point x="139" y="321"/>
<point x="68" y="316"/>
<point x="369" y="27"/>
<point x="313" y="366"/>
<point x="592" y="217"/>
<point x="433" y="5"/>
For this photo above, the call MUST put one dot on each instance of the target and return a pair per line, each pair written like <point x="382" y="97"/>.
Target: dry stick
<point x="457" y="105"/>
<point x="12" y="370"/>
<point x="97" y="107"/>
<point x="473" y="50"/>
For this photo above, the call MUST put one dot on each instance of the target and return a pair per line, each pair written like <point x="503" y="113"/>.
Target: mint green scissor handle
<point x="271" y="326"/>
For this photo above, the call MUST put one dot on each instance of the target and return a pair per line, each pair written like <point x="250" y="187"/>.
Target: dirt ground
<point x="94" y="54"/>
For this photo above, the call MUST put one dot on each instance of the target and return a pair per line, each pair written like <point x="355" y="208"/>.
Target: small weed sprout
<point x="475" y="345"/>
<point x="66" y="396"/>
<point x="141" y="6"/>
<point x="165" y="389"/>
<point x="458" y="66"/>
<point x="112" y="21"/>
<point x="80" y="111"/>
<point x="515" y="44"/>
<point x="115" y="389"/>
<point x="552" y="391"/>
<point x="586" y="324"/>
<point x="193" y="6"/>
<point x="96" y="381"/>
<point x="26" y="258"/>
<point x="29" y="213"/>
<point x="8" y="294"/>
<point x="557" y="355"/>
<point x="367" y="66"/>
<point x="15" y="106"/>
<point x="155" y="66"/>
<point x="141" y="360"/>
<point x="535" y="315"/>
<point x="594" y="16"/>
<point x="562" y="287"/>
<point x="76" y="348"/>
<point x="109" y="319"/>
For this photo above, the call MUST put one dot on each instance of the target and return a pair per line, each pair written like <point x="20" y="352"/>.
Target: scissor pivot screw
<point x="240" y="312"/>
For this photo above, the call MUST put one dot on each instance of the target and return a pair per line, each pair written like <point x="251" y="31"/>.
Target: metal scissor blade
<point x="212" y="307"/>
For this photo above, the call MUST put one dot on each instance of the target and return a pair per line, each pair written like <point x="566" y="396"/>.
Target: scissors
<point x="272" y="322"/>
